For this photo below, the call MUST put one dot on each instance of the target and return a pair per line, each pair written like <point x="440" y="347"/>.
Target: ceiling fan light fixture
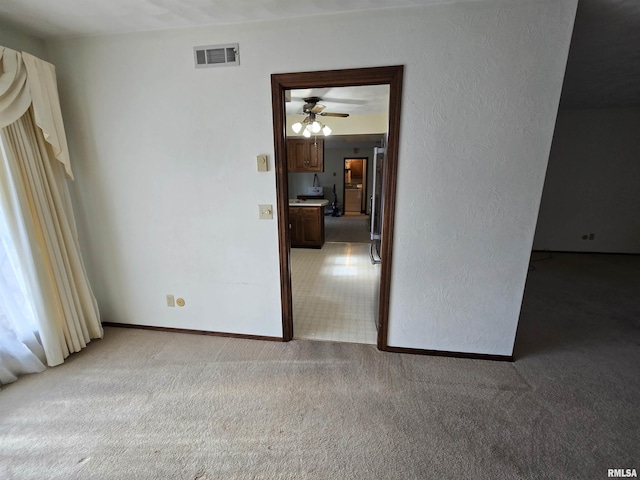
<point x="311" y="126"/>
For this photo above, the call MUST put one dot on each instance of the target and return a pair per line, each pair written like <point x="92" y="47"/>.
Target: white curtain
<point x="42" y="253"/>
<point x="20" y="349"/>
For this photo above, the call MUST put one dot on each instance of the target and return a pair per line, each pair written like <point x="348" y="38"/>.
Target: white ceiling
<point x="362" y="100"/>
<point x="604" y="60"/>
<point x="94" y="17"/>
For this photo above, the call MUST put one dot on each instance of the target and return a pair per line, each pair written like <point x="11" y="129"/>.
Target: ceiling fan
<point x="311" y="105"/>
<point x="310" y="124"/>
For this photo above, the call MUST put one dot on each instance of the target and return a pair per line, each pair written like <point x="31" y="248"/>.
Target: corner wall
<point x="593" y="183"/>
<point x="16" y="39"/>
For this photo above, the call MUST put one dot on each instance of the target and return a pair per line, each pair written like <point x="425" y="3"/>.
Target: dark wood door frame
<point x="282" y="82"/>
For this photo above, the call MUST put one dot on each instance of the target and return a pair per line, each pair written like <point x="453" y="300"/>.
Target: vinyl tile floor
<point x="334" y="293"/>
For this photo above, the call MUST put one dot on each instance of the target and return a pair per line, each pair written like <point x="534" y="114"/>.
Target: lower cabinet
<point x="306" y="226"/>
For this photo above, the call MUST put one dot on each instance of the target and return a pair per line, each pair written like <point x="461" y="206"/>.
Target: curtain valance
<point x="26" y="80"/>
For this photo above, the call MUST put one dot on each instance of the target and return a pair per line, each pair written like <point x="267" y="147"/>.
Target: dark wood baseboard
<point x="411" y="351"/>
<point x="444" y="353"/>
<point x="194" y="332"/>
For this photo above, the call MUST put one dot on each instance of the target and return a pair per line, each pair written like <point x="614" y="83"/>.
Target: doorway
<point x="355" y="186"/>
<point x="333" y="285"/>
<point x="280" y="84"/>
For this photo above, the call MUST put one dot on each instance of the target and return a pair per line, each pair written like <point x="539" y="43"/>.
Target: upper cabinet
<point x="305" y="154"/>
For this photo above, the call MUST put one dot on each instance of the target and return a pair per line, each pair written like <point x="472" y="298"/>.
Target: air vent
<point x="216" y="55"/>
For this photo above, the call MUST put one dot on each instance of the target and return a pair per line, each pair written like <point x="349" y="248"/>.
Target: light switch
<point x="262" y="163"/>
<point x="266" y="212"/>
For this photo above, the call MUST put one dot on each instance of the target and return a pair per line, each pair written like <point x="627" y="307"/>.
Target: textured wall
<point x="593" y="183"/>
<point x="478" y="120"/>
<point x="167" y="190"/>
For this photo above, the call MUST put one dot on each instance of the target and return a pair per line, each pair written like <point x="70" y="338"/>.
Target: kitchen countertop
<point x="308" y="203"/>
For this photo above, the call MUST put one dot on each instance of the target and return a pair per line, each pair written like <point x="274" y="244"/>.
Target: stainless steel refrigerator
<point x="377" y="209"/>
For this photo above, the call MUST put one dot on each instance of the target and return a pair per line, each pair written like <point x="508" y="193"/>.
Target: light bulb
<point x="306" y="133"/>
<point x="316" y="126"/>
<point x="326" y="130"/>
<point x="296" y="127"/>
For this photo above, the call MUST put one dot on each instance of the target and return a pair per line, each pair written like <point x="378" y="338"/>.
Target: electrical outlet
<point x="170" y="301"/>
<point x="592" y="236"/>
<point x="180" y="302"/>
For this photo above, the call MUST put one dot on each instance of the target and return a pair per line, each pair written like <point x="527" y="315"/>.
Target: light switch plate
<point x="262" y="163"/>
<point x="266" y="212"/>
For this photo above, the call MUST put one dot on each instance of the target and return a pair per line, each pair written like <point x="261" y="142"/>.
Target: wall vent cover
<point x="216" y="55"/>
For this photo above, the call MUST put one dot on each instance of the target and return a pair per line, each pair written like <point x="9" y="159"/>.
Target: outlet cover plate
<point x="262" y="163"/>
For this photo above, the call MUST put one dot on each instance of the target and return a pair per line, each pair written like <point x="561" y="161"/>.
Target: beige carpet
<point x="151" y="405"/>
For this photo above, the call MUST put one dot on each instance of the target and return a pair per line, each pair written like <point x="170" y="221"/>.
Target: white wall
<point x="16" y="39"/>
<point x="167" y="188"/>
<point x="593" y="183"/>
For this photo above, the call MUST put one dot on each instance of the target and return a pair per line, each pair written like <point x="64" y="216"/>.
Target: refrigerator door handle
<point x="373" y="233"/>
<point x="373" y="212"/>
<point x="373" y="260"/>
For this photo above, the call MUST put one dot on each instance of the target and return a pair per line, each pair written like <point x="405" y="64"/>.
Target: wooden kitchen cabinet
<point x="305" y="154"/>
<point x="306" y="226"/>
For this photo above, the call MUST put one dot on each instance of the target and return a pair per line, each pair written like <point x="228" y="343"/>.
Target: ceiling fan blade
<point x="331" y="114"/>
<point x="317" y="108"/>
